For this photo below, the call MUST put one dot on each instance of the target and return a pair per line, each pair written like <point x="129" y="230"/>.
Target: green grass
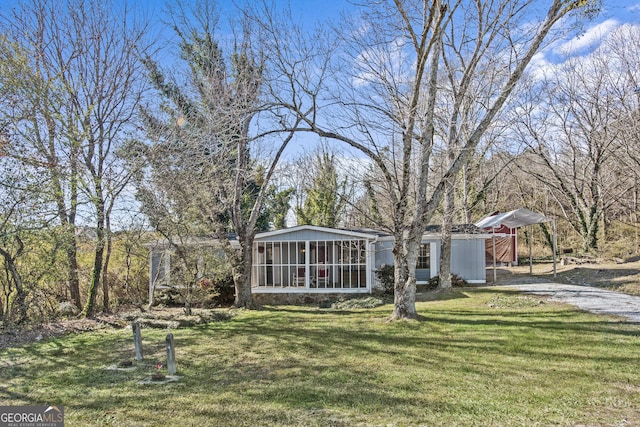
<point x="478" y="357"/>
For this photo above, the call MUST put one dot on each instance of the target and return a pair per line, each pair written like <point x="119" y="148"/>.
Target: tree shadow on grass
<point x="305" y="358"/>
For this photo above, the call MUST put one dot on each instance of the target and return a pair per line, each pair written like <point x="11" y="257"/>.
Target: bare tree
<point x="108" y="60"/>
<point x="38" y="118"/>
<point x="218" y="138"/>
<point x="77" y="108"/>
<point x="579" y="139"/>
<point x="376" y="88"/>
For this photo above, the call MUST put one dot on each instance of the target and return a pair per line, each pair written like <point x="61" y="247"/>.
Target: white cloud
<point x="590" y="39"/>
<point x="540" y="66"/>
<point x="384" y="62"/>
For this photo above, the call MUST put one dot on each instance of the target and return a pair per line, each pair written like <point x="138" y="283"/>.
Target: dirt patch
<point x="502" y="301"/>
<point x="22" y="335"/>
<point x="164" y="318"/>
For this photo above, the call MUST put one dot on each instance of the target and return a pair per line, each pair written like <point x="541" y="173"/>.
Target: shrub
<point x="218" y="292"/>
<point x="456" y="282"/>
<point x="367" y="302"/>
<point x="385" y="275"/>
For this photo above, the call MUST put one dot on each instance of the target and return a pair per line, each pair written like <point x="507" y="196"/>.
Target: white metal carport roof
<point x="514" y="219"/>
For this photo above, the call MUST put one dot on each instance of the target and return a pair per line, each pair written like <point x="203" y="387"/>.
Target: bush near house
<point x="219" y="292"/>
<point x="386" y="277"/>
<point x="456" y="282"/>
<point x="209" y="293"/>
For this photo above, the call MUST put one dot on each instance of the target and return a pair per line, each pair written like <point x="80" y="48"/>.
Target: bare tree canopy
<point x="376" y="87"/>
<point x="218" y="137"/>
<point x="77" y="107"/>
<point x="578" y="134"/>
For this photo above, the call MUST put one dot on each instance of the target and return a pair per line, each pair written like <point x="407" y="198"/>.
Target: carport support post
<point x="555" y="247"/>
<point x="530" y="251"/>
<point x="493" y="239"/>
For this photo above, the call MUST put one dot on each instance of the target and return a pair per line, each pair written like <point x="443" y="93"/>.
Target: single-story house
<point x="318" y="260"/>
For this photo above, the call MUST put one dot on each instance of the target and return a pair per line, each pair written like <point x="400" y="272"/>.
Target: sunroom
<point x="310" y="259"/>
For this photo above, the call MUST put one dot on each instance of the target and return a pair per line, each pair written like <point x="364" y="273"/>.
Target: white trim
<point x="307" y="264"/>
<point x="427" y="237"/>
<point x="434" y="254"/>
<point x="338" y="231"/>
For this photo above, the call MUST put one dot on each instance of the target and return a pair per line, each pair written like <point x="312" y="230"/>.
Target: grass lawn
<point x="478" y="357"/>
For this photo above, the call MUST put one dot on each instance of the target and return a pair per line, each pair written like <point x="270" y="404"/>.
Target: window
<point x="424" y="257"/>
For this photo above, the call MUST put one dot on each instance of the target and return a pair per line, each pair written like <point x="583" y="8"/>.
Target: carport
<point x="515" y="219"/>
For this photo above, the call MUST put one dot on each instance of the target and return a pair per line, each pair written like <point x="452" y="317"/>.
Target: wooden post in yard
<point x="137" y="340"/>
<point x="171" y="355"/>
<point x="555" y="247"/>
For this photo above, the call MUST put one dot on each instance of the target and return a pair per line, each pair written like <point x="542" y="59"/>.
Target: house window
<point x="424" y="257"/>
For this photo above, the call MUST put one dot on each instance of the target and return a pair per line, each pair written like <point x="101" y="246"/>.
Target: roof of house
<point x="433" y="231"/>
<point x="366" y="234"/>
<point x="456" y="229"/>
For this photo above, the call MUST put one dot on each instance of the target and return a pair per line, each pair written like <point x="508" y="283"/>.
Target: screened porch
<point x="311" y="265"/>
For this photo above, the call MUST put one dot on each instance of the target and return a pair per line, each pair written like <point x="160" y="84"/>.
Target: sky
<point x="614" y="14"/>
<point x="309" y="12"/>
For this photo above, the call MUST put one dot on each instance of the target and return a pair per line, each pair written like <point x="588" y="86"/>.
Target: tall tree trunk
<point x="404" y="295"/>
<point x="68" y="222"/>
<point x="447" y="223"/>
<point x="465" y="195"/>
<point x="242" y="275"/>
<point x="89" y="309"/>
<point x="105" y="267"/>
<point x="73" y="280"/>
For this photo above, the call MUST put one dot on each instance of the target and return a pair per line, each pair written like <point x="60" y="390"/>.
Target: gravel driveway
<point x="587" y="298"/>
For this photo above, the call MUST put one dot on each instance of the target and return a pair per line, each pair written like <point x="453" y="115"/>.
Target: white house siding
<point x="468" y="259"/>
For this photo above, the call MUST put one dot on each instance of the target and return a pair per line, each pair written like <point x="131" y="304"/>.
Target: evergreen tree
<point x="325" y="198"/>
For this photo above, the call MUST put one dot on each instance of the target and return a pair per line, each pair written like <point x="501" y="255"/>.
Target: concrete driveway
<point x="586" y="298"/>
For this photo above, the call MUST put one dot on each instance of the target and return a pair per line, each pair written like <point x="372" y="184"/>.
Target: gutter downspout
<point x="530" y="250"/>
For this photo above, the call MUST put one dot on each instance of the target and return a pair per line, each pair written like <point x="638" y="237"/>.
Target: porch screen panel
<point x="320" y="264"/>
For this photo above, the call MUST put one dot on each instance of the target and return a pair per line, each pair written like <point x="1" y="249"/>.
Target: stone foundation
<point x="300" y="299"/>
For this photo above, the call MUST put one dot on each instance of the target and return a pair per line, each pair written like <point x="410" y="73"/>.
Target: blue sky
<point x="309" y="12"/>
<point x="614" y="14"/>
